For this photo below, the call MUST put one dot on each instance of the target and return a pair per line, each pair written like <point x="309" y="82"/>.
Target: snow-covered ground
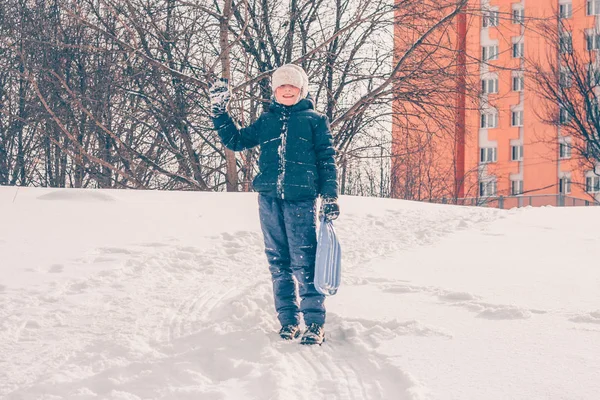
<point x="154" y="295"/>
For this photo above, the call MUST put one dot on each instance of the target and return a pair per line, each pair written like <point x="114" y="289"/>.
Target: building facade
<point x="500" y="140"/>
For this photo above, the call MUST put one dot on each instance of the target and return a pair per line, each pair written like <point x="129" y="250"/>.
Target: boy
<point x="296" y="166"/>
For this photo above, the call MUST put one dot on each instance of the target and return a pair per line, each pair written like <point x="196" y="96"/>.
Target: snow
<point x="281" y="150"/>
<point x="157" y="295"/>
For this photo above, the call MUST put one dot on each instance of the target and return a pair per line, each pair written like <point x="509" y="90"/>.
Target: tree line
<point x="114" y="94"/>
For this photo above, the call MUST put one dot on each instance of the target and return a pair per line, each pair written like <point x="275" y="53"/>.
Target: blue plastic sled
<point x="328" y="265"/>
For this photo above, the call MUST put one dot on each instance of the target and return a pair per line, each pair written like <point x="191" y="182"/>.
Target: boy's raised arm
<point x="233" y="138"/>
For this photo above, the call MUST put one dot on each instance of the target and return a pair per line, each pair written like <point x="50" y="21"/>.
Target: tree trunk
<point x="231" y="173"/>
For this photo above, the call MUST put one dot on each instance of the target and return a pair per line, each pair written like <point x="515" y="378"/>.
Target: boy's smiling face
<point x="287" y="95"/>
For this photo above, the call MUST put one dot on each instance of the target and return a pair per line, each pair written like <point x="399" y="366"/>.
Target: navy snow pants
<point x="289" y="229"/>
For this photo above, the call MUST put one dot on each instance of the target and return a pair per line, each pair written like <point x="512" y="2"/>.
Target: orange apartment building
<point x="496" y="144"/>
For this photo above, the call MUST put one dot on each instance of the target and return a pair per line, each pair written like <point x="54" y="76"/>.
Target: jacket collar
<point x="305" y="104"/>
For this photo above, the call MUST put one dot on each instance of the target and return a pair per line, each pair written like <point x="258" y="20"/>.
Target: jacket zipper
<point x="282" y="151"/>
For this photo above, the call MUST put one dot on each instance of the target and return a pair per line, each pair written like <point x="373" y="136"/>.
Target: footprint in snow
<point x="472" y="303"/>
<point x="372" y="280"/>
<point x="153" y="244"/>
<point x="493" y="234"/>
<point x="244" y="236"/>
<point x="504" y="313"/>
<point x="376" y="332"/>
<point x="227" y="236"/>
<point x="78" y="288"/>
<point x="188" y="249"/>
<point x="589" y="318"/>
<point x="103" y="259"/>
<point x="56" y="269"/>
<point x="457" y="296"/>
<point x="494" y="312"/>
<point x="116" y="250"/>
<point x="32" y="325"/>
<point x="403" y="289"/>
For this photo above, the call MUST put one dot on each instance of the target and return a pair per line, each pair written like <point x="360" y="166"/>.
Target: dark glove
<point x="219" y="96"/>
<point x="329" y="209"/>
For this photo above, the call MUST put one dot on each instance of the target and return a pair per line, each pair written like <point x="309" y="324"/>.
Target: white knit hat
<point x="290" y="74"/>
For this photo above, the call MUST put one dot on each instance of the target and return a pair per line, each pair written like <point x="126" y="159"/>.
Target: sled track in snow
<point x="141" y="303"/>
<point x="349" y="370"/>
<point x="177" y="322"/>
<point x="409" y="228"/>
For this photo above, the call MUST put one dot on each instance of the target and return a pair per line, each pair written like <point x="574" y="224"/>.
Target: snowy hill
<point x="153" y="295"/>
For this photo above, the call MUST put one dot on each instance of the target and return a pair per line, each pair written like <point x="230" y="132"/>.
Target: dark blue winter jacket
<point x="296" y="153"/>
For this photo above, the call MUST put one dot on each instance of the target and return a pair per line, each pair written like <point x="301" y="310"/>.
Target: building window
<point x="516" y="153"/>
<point x="516" y="187"/>
<point x="566" y="43"/>
<point x="593" y="75"/>
<point x="591" y="149"/>
<point x="592" y="111"/>
<point x="489" y="120"/>
<point x="517" y="118"/>
<point x="518" y="15"/>
<point x="518" y="49"/>
<point x="565" y="10"/>
<point x="592" y="40"/>
<point x="564" y="150"/>
<point x="564" y="185"/>
<point x="518" y="83"/>
<point x="593" y="7"/>
<point x="490" y="18"/>
<point x="564" y="117"/>
<point x="489" y="85"/>
<point x="592" y="184"/>
<point x="565" y="78"/>
<point x="489" y="53"/>
<point x="487" y="155"/>
<point x="487" y="188"/>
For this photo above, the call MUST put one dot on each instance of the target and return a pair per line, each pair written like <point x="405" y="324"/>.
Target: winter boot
<point x="289" y="332"/>
<point x="314" y="334"/>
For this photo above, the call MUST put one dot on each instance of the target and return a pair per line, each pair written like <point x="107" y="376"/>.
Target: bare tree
<point x="430" y="102"/>
<point x="107" y="93"/>
<point x="568" y="82"/>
